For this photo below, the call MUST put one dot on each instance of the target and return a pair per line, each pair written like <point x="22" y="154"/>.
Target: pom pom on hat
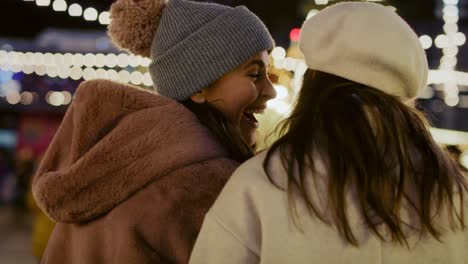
<point x="134" y="24"/>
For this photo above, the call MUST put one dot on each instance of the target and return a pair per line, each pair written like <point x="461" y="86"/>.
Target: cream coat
<point x="250" y="223"/>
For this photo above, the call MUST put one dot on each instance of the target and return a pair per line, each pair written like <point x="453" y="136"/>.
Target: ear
<point x="198" y="98"/>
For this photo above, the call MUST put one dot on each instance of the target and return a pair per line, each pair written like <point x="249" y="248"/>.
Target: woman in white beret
<point x="356" y="177"/>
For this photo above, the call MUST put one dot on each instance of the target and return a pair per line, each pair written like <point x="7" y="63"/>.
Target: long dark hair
<point x="223" y="129"/>
<point x="371" y="142"/>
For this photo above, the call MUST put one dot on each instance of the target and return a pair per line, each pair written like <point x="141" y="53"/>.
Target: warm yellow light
<point x="452" y="100"/>
<point x="76" y="73"/>
<point x="464" y="159"/>
<point x="134" y="61"/>
<point x="89" y="74"/>
<point x="64" y="72"/>
<point x="441" y="41"/>
<point x="42" y="2"/>
<point x="28" y="69"/>
<point x="450" y="28"/>
<point x="321" y="2"/>
<point x="89" y="60"/>
<point x="78" y="60"/>
<point x="449" y="137"/>
<point x="59" y="5"/>
<point x="59" y="59"/>
<point x="90" y="14"/>
<point x="56" y="98"/>
<point x="136" y="78"/>
<point x="13" y="98"/>
<point x="124" y="76"/>
<point x="278" y="53"/>
<point x="450" y="51"/>
<point x="41" y="70"/>
<point x="67" y="97"/>
<point x="113" y="75"/>
<point x="104" y="18"/>
<point x="426" y="41"/>
<point x="101" y="74"/>
<point x="75" y="10"/>
<point x="312" y="13"/>
<point x="279" y="106"/>
<point x="281" y="91"/>
<point x="460" y="39"/>
<point x="49" y="59"/>
<point x="38" y="59"/>
<point x="52" y="71"/>
<point x="122" y="60"/>
<point x="26" y="98"/>
<point x="100" y="60"/>
<point x="111" y="60"/>
<point x="68" y="59"/>
<point x="145" y="62"/>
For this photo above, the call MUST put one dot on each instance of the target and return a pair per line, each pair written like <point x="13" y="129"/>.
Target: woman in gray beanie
<point x="130" y="174"/>
<point x="356" y="177"/>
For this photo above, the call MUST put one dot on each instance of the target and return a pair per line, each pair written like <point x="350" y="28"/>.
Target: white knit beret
<point x="366" y="43"/>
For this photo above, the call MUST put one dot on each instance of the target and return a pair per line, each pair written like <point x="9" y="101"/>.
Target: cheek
<point x="233" y="99"/>
<point x="242" y="99"/>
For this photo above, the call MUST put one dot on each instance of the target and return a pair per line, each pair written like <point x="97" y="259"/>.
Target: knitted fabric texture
<point x="366" y="43"/>
<point x="197" y="43"/>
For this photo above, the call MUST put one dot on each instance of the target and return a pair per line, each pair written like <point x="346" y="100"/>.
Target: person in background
<point x="130" y="174"/>
<point x="356" y="176"/>
<point x="42" y="225"/>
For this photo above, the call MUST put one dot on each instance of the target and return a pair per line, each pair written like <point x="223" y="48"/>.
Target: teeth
<point x="260" y="111"/>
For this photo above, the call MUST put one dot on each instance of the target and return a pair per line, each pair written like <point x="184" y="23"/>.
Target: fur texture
<point x="128" y="177"/>
<point x="134" y="24"/>
<point x="114" y="140"/>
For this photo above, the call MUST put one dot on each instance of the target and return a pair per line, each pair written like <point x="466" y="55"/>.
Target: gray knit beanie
<point x="191" y="44"/>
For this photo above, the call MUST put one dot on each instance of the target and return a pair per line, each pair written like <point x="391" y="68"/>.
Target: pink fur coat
<point x="128" y="178"/>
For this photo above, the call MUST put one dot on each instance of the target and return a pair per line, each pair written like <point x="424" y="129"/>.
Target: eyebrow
<point x="260" y="63"/>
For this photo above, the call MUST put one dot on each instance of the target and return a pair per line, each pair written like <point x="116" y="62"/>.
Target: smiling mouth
<point x="249" y="116"/>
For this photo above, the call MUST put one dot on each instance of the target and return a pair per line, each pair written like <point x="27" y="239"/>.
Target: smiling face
<point x="242" y="93"/>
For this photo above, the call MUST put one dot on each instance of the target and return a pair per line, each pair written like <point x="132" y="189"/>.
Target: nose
<point x="268" y="90"/>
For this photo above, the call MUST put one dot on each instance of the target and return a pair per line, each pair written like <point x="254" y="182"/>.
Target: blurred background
<point x="47" y="47"/>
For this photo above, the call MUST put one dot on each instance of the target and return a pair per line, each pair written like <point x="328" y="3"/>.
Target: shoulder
<point x="243" y="204"/>
<point x="176" y="203"/>
<point x="251" y="175"/>
<point x="249" y="188"/>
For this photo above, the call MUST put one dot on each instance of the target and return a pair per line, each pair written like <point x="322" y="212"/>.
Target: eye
<point x="255" y="75"/>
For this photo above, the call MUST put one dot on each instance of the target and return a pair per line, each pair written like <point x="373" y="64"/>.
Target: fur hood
<point x="113" y="141"/>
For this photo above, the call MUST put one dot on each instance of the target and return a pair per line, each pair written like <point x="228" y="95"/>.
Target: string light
<point x="321" y="2"/>
<point x="449" y="44"/>
<point x="90" y="14"/>
<point x="312" y="13"/>
<point x="26" y="98"/>
<point x="104" y="18"/>
<point x="42" y="2"/>
<point x="13" y="98"/>
<point x="59" y="6"/>
<point x="99" y="60"/>
<point x="426" y="41"/>
<point x="278" y="53"/>
<point x="76" y="10"/>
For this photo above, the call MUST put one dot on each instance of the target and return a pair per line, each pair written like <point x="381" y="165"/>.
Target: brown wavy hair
<point x="374" y="143"/>
<point x="223" y="129"/>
